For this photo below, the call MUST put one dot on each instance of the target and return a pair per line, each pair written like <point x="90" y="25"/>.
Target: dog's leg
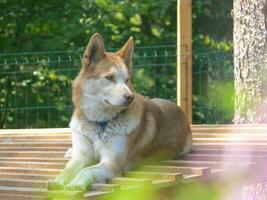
<point x="113" y="158"/>
<point x="96" y="173"/>
<point x="82" y="156"/>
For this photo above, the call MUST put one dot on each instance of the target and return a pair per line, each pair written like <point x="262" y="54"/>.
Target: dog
<point x="113" y="127"/>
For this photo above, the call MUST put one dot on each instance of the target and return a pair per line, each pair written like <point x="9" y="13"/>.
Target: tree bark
<point x="250" y="40"/>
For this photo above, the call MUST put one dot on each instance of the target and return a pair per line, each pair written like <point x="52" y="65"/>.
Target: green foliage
<point x="212" y="25"/>
<point x="219" y="103"/>
<point x="199" y="191"/>
<point x="35" y="96"/>
<point x="30" y="25"/>
<point x="213" y="87"/>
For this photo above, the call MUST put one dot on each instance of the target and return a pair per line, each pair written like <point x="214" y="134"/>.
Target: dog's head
<point x="106" y="76"/>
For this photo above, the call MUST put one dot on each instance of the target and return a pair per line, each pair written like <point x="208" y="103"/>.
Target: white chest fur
<point x="122" y="125"/>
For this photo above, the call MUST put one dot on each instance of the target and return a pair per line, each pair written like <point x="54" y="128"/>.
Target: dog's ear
<point x="94" y="51"/>
<point x="126" y="52"/>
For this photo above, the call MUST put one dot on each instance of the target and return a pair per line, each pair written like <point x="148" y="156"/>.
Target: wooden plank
<point x="193" y="163"/>
<point x="40" y="192"/>
<point x="28" y="176"/>
<point x="262" y="130"/>
<point x="37" y="183"/>
<point x="33" y="149"/>
<point x="94" y="195"/>
<point x="189" y="178"/>
<point x="130" y="181"/>
<point x="34" y="159"/>
<point x="33" y="167"/>
<point x="16" y="180"/>
<point x="184" y="57"/>
<point x="223" y="150"/>
<point x="210" y="126"/>
<point x="44" y="154"/>
<point x="21" y="137"/>
<point x="237" y="140"/>
<point x="154" y="175"/>
<point x="22" y="183"/>
<point x="60" y="140"/>
<point x="35" y="144"/>
<point x="223" y="157"/>
<point x="36" y="131"/>
<point x="51" y="165"/>
<point x="230" y="145"/>
<point x="163" y="183"/>
<point x="21" y="170"/>
<point x="105" y="187"/>
<point x="177" y="169"/>
<point x="248" y="136"/>
<point x="21" y="197"/>
<point x="62" y="133"/>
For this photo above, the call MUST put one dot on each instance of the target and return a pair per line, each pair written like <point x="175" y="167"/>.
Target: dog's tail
<point x="68" y="154"/>
<point x="188" y="145"/>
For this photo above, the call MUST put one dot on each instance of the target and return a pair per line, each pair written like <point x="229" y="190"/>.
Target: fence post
<point x="184" y="56"/>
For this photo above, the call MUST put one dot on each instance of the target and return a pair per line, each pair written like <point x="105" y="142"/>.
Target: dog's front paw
<point x="59" y="182"/>
<point x="55" y="184"/>
<point x="79" y="185"/>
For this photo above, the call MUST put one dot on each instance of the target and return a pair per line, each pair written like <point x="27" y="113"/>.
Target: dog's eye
<point x="110" y="78"/>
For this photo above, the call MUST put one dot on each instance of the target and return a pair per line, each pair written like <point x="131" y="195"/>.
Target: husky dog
<point x="113" y="127"/>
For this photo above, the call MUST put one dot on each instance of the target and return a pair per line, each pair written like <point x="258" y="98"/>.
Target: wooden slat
<point x="21" y="197"/>
<point x="245" y="129"/>
<point x="130" y="181"/>
<point x="29" y="158"/>
<point x="215" y="135"/>
<point x="22" y="183"/>
<point x="50" y="165"/>
<point x="154" y="175"/>
<point x="21" y="170"/>
<point x="222" y="157"/>
<point x="188" y="178"/>
<point x="34" y="159"/>
<point x="222" y="126"/>
<point x="223" y="150"/>
<point x="39" y="181"/>
<point x="92" y="195"/>
<point x="193" y="163"/>
<point x="28" y="176"/>
<point x="177" y="169"/>
<point x="36" y="131"/>
<point x="39" y="192"/>
<point x="27" y="137"/>
<point x="105" y="187"/>
<point x="2" y="149"/>
<point x="42" y="154"/>
<point x="244" y="145"/>
<point x="231" y="140"/>
<point x="8" y="182"/>
<point x="163" y="183"/>
<point x="35" y="144"/>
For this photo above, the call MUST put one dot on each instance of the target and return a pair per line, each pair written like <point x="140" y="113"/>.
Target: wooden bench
<point x="29" y="157"/>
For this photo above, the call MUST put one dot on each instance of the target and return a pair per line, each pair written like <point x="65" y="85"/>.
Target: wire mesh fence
<point x="36" y="87"/>
<point x="213" y="88"/>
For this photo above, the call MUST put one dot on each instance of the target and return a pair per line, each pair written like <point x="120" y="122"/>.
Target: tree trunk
<point x="250" y="40"/>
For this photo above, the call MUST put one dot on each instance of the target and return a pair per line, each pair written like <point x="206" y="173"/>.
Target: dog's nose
<point x="129" y="97"/>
